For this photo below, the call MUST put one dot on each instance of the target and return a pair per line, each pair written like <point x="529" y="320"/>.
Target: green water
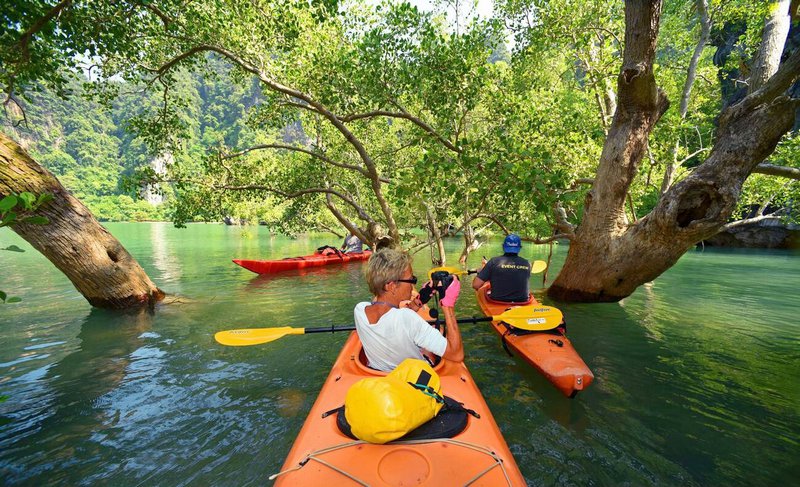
<point x="696" y="383"/>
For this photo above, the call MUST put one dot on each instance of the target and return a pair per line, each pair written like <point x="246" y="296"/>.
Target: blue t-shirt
<point x="509" y="275"/>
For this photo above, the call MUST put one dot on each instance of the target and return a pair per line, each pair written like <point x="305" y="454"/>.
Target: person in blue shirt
<point x="508" y="274"/>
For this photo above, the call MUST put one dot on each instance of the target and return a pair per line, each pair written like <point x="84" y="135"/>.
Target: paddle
<point x="532" y="318"/>
<point x="537" y="267"/>
<point x="256" y="336"/>
<point x="528" y="317"/>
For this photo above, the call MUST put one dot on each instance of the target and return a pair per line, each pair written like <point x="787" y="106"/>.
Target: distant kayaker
<point x="508" y="274"/>
<point x="352" y="244"/>
<point x="389" y="327"/>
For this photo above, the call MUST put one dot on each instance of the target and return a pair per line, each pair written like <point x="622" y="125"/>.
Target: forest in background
<point x="94" y="150"/>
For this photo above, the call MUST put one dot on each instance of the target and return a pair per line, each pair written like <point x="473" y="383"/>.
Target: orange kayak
<point x="323" y="455"/>
<point x="550" y="352"/>
<point x="302" y="262"/>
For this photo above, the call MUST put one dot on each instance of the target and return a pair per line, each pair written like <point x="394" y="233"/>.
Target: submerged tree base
<point x="73" y="240"/>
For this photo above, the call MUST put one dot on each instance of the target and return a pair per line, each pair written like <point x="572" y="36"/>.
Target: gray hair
<point x="385" y="266"/>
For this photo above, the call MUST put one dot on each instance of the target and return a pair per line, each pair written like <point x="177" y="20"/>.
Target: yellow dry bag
<point x="382" y="409"/>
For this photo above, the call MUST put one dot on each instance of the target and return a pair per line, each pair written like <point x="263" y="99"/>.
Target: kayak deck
<point x="302" y="262"/>
<point x="322" y="455"/>
<point x="550" y="352"/>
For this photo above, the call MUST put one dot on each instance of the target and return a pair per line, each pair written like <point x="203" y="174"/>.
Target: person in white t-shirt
<point x="391" y="332"/>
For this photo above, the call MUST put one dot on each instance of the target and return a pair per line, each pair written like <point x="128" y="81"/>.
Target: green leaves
<point x="16" y="208"/>
<point x="8" y="202"/>
<point x="4" y="298"/>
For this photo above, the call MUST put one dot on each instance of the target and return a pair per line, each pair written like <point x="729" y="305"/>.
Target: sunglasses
<point x="413" y="280"/>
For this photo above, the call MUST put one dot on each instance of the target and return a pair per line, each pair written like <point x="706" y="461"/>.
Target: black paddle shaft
<point x="329" y="329"/>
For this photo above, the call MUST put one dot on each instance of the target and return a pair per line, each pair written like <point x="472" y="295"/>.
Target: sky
<point x="484" y="7"/>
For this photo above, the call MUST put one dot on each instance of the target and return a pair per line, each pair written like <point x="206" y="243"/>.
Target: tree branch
<point x="749" y="221"/>
<point x="782" y="171"/>
<point x="25" y="38"/>
<point x="371" y="168"/>
<point x="402" y="115"/>
<point x="311" y="153"/>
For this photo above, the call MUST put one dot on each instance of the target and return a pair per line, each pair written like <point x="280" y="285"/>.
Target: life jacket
<point x="382" y="409"/>
<point x="328" y="250"/>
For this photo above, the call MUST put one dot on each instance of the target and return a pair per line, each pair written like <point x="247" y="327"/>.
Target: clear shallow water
<point x="696" y="374"/>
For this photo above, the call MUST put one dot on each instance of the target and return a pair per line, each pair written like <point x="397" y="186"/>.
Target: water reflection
<point x="163" y="259"/>
<point x="59" y="409"/>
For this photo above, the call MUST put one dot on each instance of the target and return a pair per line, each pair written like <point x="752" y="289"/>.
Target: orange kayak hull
<point x="551" y="354"/>
<point x="322" y="455"/>
<point x="302" y="262"/>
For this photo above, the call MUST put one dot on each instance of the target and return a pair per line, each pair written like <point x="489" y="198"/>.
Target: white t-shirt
<point x="399" y="334"/>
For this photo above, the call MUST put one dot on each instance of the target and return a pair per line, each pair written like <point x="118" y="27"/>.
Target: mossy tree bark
<point x="96" y="263"/>
<point x="608" y="256"/>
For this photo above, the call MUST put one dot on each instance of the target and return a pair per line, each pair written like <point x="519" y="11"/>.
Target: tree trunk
<point x="691" y="75"/>
<point x="435" y="237"/>
<point x="776" y="27"/>
<point x="96" y="263"/>
<point x="609" y="258"/>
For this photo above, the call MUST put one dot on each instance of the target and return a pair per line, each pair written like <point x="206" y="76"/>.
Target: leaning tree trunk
<point x="96" y="263"/>
<point x="609" y="258"/>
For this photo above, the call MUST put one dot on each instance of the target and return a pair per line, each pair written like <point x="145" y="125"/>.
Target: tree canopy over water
<point x="600" y="121"/>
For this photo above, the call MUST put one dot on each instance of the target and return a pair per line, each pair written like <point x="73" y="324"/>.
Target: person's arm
<point x="482" y="276"/>
<point x="455" y="347"/>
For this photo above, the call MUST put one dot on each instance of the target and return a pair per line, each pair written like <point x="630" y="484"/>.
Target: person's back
<point x="508" y="274"/>
<point x="352" y="244"/>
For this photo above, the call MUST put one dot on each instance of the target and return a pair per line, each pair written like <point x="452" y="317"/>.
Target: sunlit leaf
<point x="8" y="202"/>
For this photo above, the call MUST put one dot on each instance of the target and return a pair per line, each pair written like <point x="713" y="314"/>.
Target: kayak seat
<point x="362" y="358"/>
<point x="530" y="300"/>
<point x="450" y="421"/>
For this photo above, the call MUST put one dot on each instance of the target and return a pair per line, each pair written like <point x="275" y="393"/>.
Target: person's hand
<point x="425" y="292"/>
<point x="412" y="304"/>
<point x="451" y="294"/>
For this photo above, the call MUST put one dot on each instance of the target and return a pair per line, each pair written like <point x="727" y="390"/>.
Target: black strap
<point x="424" y="378"/>
<point x="454" y="405"/>
<point x="340" y="409"/>
<point x="505" y="345"/>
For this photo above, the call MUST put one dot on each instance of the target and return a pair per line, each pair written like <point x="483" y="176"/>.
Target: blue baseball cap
<point x="512" y="244"/>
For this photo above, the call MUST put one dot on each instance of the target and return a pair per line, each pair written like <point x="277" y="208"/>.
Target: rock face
<point x="767" y="235"/>
<point x="159" y="165"/>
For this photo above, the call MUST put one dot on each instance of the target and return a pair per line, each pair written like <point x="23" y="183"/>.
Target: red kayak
<point x="290" y="263"/>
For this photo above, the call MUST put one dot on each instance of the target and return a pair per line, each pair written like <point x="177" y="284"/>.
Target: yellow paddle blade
<point x="449" y="270"/>
<point x="255" y="336"/>
<point x="538" y="266"/>
<point x="532" y="318"/>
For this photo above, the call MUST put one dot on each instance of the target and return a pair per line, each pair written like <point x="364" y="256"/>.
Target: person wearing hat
<point x="508" y="273"/>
